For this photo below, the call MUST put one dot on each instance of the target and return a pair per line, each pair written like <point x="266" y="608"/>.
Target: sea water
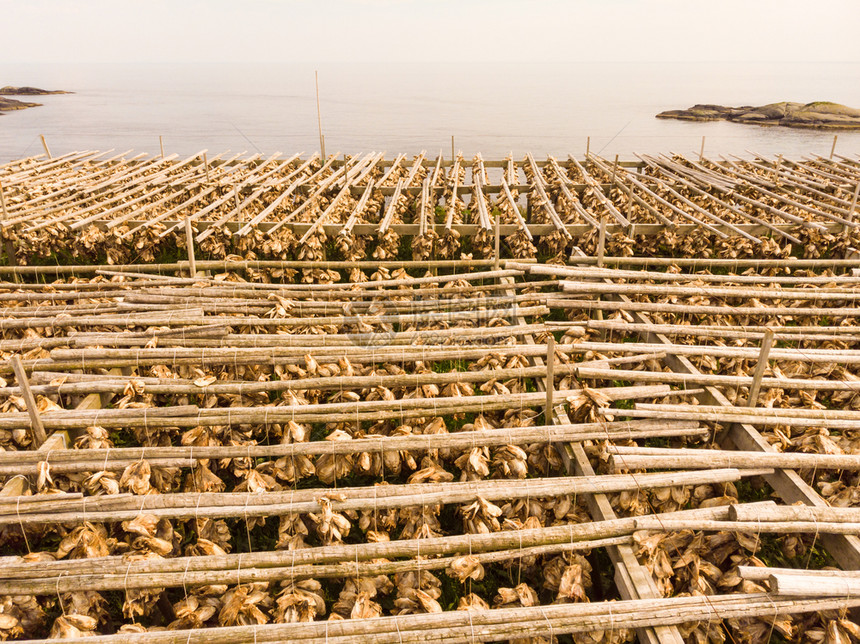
<point x="489" y="108"/>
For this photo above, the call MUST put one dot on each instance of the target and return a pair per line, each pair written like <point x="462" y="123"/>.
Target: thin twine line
<point x="20" y="522"/>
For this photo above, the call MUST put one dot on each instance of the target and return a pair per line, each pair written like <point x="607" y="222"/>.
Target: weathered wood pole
<point x="702" y="151"/>
<point x="601" y="241"/>
<point x="161" y="145"/>
<point x="37" y="429"/>
<point x="3" y="204"/>
<point x="550" y="379"/>
<point x="7" y="243"/>
<point x="766" y="344"/>
<point x="45" y="145"/>
<point x="854" y="202"/>
<point x="833" y="147"/>
<point x="319" y="115"/>
<point x="498" y="242"/>
<point x="189" y="240"/>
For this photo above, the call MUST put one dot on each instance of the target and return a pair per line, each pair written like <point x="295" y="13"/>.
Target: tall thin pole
<point x="587" y="147"/>
<point x="189" y="242"/>
<point x="161" y="144"/>
<point x="45" y="145"/>
<point x="8" y="245"/>
<point x="319" y="114"/>
<point x="854" y="202"/>
<point x="702" y="151"/>
<point x="37" y="429"/>
<point x="833" y="148"/>
<point x="601" y="241"/>
<point x="549" y="417"/>
<point x="761" y="365"/>
<point x="498" y="241"/>
<point x="3" y="205"/>
<point x="452" y="149"/>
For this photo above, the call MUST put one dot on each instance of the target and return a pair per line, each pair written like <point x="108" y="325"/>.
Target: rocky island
<point x="29" y="91"/>
<point x="10" y="104"/>
<point x="820" y="114"/>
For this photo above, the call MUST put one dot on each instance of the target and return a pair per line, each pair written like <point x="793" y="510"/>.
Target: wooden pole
<point x="37" y="429"/>
<point x="766" y="344"/>
<point x="498" y="242"/>
<point x="6" y="212"/>
<point x="45" y="145"/>
<point x="702" y="151"/>
<point x="853" y="202"/>
<point x="587" y="147"/>
<point x="206" y="166"/>
<point x="601" y="241"/>
<point x="319" y="115"/>
<point x="833" y="147"/>
<point x="161" y="144"/>
<point x="453" y="156"/>
<point x="634" y="458"/>
<point x="550" y="379"/>
<point x="774" y="512"/>
<point x="614" y="170"/>
<point x="7" y="243"/>
<point x="189" y="240"/>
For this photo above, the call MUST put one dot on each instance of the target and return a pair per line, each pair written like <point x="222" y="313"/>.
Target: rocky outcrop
<point x="29" y="91"/>
<point x="9" y="104"/>
<point x="820" y="114"/>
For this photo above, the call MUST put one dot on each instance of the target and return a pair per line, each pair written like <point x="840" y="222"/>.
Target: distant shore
<point x="11" y="104"/>
<point x="819" y="115"/>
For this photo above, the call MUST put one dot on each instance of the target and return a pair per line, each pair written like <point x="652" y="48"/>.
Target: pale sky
<point x="432" y="30"/>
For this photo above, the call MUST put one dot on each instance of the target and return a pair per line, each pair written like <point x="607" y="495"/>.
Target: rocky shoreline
<point x="817" y="115"/>
<point x="11" y="104"/>
<point x="29" y="91"/>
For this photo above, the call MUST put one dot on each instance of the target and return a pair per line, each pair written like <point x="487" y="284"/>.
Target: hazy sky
<point x="440" y="30"/>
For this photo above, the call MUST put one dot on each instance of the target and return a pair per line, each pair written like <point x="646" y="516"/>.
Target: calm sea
<point x="494" y="109"/>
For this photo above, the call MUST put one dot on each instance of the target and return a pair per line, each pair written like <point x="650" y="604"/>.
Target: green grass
<point x="446" y="366"/>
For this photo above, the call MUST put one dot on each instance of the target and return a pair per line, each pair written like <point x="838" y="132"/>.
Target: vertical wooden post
<point x="550" y="379"/>
<point x="189" y="241"/>
<point x="206" y="167"/>
<point x="236" y="203"/>
<point x="161" y="145"/>
<point x="498" y="242"/>
<point x="37" y="429"/>
<point x="854" y="202"/>
<point x="766" y="344"/>
<point x="601" y="241"/>
<point x="702" y="151"/>
<point x="453" y="154"/>
<point x="9" y="247"/>
<point x="3" y="204"/>
<point x="601" y="249"/>
<point x="587" y="147"/>
<point x="319" y="115"/>
<point x="45" y="145"/>
<point x="833" y="147"/>
<point x="614" y="170"/>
